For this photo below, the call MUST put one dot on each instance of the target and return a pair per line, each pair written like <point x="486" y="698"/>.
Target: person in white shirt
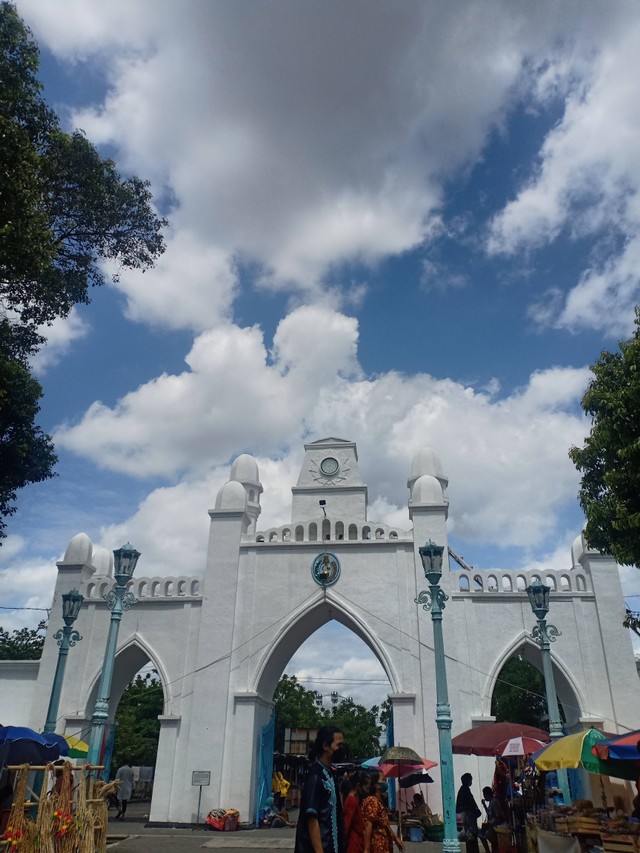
<point x="126" y="779"/>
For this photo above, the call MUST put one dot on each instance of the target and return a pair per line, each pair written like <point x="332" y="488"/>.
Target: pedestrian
<point x="495" y="817"/>
<point x="378" y="835"/>
<point x="467" y="807"/>
<point x="352" y="808"/>
<point x="126" y="778"/>
<point x="420" y="810"/>
<point x="320" y="823"/>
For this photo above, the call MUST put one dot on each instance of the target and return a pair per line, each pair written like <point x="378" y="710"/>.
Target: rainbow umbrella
<point x="70" y="746"/>
<point x="576" y="750"/>
<point x="77" y="748"/>
<point x="623" y="747"/>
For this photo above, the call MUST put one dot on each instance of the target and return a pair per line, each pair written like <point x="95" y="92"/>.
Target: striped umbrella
<point x="577" y="751"/>
<point x="623" y="747"/>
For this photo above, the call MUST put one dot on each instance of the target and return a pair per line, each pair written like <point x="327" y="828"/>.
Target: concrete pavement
<point x="132" y="836"/>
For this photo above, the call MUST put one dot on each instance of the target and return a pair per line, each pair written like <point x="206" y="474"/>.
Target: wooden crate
<point x="562" y="826"/>
<point x="619" y="843"/>
<point x="580" y="825"/>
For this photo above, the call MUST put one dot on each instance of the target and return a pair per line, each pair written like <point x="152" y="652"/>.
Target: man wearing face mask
<point x="321" y="824"/>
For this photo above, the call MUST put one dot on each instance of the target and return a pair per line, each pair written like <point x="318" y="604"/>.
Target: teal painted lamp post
<point x="544" y="635"/>
<point x="66" y="637"/>
<point x="433" y="601"/>
<point x="118" y="600"/>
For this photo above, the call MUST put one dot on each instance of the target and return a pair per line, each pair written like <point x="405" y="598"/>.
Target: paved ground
<point x="131" y="836"/>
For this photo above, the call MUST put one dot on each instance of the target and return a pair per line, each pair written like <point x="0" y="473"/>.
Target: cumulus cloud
<point x="586" y="184"/>
<point x="232" y="396"/>
<point x="60" y="335"/>
<point x="354" y="671"/>
<point x="27" y="584"/>
<point x="299" y="136"/>
<point x="501" y="453"/>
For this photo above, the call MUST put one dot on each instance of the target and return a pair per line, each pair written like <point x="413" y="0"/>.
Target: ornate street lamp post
<point x="544" y="635"/>
<point x="433" y="601"/>
<point x="66" y="637"/>
<point x="118" y="600"/>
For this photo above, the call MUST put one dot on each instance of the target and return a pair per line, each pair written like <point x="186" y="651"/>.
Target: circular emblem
<point x="325" y="569"/>
<point x="329" y="466"/>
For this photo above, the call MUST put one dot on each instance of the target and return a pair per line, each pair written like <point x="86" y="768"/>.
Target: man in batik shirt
<point x="320" y="824"/>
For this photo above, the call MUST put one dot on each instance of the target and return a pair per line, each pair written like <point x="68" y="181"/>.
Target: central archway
<point x="295" y="631"/>
<point x="300" y="625"/>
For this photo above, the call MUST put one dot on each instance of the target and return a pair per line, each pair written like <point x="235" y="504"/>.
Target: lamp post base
<point x="451" y="845"/>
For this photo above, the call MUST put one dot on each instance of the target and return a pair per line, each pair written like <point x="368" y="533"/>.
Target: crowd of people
<point x="352" y="817"/>
<point x="335" y="820"/>
<point x="500" y="806"/>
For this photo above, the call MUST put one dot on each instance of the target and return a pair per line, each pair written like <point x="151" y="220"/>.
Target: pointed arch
<point x="569" y="693"/>
<point x="302" y="623"/>
<point x="131" y="656"/>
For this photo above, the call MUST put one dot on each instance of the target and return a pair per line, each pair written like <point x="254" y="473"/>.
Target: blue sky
<point x="406" y="225"/>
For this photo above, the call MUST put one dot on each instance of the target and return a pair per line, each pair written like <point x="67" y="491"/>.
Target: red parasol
<point x="484" y="740"/>
<point x="398" y="769"/>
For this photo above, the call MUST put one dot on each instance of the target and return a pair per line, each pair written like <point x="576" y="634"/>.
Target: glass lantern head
<point x="71" y="604"/>
<point x="124" y="562"/>
<point x="431" y="556"/>
<point x="539" y="598"/>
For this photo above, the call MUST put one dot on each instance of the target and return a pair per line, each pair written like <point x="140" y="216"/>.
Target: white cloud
<point x="59" y="337"/>
<point x="26" y="584"/>
<point x="506" y="457"/>
<point x="586" y="185"/>
<point x="231" y="397"/>
<point x="192" y="285"/>
<point x="299" y="136"/>
<point x="354" y="670"/>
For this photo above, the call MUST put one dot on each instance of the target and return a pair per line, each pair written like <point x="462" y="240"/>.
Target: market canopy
<point x="485" y="740"/>
<point x="576" y="750"/>
<point x="21" y="745"/>
<point x="623" y="747"/>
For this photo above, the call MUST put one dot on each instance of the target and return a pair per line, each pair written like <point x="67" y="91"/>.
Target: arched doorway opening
<point x="334" y="667"/>
<point x="138" y="696"/>
<point x="518" y="695"/>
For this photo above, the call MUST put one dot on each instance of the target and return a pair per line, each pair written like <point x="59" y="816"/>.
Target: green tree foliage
<point x="609" y="461"/>
<point x="22" y="643"/>
<point x="295" y="708"/>
<point x="386" y="712"/>
<point x="64" y="210"/>
<point x="519" y="695"/>
<point x="26" y="453"/>
<point x="137" y="724"/>
<point x="360" y="727"/>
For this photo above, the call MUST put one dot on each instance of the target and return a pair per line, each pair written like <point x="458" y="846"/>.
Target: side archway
<point x="130" y="658"/>
<point x="569" y="693"/>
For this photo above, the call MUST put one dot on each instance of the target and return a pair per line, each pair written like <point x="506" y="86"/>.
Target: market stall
<point x="582" y="825"/>
<point x="68" y="812"/>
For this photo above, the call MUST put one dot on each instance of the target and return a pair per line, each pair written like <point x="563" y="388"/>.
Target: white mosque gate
<point x="220" y="642"/>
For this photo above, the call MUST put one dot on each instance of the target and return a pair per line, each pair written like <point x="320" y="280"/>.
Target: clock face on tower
<point x="330" y="470"/>
<point x="329" y="466"/>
